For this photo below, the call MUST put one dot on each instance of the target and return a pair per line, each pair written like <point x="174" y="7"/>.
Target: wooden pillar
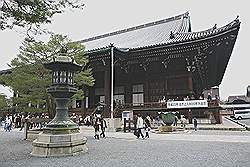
<point x="217" y="116"/>
<point x="107" y="90"/>
<point x="128" y="92"/>
<point x="26" y="127"/>
<point x="129" y="125"/>
<point x="124" y="125"/>
<point x="190" y="83"/>
<point x="190" y="116"/>
<point x="166" y="88"/>
<point x="83" y="105"/>
<point x="146" y="91"/>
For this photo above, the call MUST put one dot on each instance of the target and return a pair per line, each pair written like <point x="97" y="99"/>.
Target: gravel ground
<point x="221" y="132"/>
<point x="133" y="152"/>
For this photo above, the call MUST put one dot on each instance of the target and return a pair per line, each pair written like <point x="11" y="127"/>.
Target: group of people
<point x="95" y="120"/>
<point x="80" y="120"/>
<point x="18" y="120"/>
<point x="141" y="125"/>
<point x="184" y="122"/>
<point x="100" y="126"/>
<point x="7" y="124"/>
<point x="12" y="121"/>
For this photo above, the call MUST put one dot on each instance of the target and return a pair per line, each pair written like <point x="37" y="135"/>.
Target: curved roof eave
<point x="191" y="37"/>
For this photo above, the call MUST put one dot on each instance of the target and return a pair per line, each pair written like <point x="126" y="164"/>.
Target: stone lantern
<point x="61" y="136"/>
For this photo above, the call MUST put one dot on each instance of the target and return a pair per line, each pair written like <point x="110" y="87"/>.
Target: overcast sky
<point x="99" y="17"/>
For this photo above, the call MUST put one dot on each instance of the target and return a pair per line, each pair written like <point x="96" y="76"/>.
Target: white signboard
<point x="127" y="115"/>
<point x="187" y="104"/>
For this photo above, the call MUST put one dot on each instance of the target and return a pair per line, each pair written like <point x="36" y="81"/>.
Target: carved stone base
<point x="167" y="128"/>
<point x="50" y="145"/>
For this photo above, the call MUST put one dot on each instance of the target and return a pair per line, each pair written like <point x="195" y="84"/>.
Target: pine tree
<point x="29" y="79"/>
<point x="32" y="13"/>
<point x="4" y="105"/>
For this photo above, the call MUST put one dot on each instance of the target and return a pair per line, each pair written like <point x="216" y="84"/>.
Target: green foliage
<point x="4" y="104"/>
<point x="3" y="101"/>
<point x="29" y="79"/>
<point x="32" y="13"/>
<point x="29" y="82"/>
<point x="168" y="118"/>
<point x="84" y="78"/>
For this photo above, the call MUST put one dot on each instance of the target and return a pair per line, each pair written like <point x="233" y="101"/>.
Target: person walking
<point x="22" y="122"/>
<point x="183" y="122"/>
<point x="87" y="120"/>
<point x="8" y="122"/>
<point x="5" y="123"/>
<point x="157" y="119"/>
<point x="135" y="125"/>
<point x="18" y="121"/>
<point x="175" y="120"/>
<point x="97" y="127"/>
<point x="139" y="125"/>
<point x="147" y="127"/>
<point x="195" y="124"/>
<point x="103" y="127"/>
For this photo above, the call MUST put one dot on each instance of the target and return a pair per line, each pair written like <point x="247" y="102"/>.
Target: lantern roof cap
<point x="62" y="63"/>
<point x="64" y="59"/>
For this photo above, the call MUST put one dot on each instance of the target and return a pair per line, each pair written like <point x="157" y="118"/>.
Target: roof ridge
<point x="184" y="15"/>
<point x="214" y="28"/>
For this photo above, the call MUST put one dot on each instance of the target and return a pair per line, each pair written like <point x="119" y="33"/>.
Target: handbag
<point x="136" y="132"/>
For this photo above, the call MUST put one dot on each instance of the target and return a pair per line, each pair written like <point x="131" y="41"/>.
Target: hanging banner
<point x="187" y="104"/>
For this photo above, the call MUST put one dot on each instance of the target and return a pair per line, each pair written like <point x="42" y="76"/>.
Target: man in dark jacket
<point x="103" y="127"/>
<point x="195" y="124"/>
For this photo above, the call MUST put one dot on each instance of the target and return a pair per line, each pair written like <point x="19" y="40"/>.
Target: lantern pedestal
<point x="165" y="128"/>
<point x="61" y="136"/>
<point x="52" y="145"/>
<point x="111" y="125"/>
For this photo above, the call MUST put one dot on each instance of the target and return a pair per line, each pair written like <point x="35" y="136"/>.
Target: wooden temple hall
<point x="156" y="63"/>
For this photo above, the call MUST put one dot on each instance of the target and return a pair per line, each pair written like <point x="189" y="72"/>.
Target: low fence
<point x="128" y="124"/>
<point x="35" y="124"/>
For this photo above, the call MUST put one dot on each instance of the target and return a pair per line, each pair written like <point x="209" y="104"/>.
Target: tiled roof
<point x="234" y="99"/>
<point x="168" y="31"/>
<point x="182" y="37"/>
<point x="7" y="71"/>
<point x="143" y="35"/>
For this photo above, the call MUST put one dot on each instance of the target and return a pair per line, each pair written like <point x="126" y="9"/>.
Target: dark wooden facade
<point x="163" y="59"/>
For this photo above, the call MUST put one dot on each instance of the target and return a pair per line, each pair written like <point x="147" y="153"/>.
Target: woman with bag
<point x="97" y="126"/>
<point x="139" y="126"/>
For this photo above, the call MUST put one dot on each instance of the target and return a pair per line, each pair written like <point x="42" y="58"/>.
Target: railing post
<point x="25" y="130"/>
<point x="124" y="127"/>
<point x="129" y="125"/>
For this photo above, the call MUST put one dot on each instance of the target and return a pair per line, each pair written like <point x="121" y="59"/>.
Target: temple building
<point x="159" y="67"/>
<point x="159" y="62"/>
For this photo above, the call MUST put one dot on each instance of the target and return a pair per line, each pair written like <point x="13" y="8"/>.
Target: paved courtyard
<point x="188" y="148"/>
